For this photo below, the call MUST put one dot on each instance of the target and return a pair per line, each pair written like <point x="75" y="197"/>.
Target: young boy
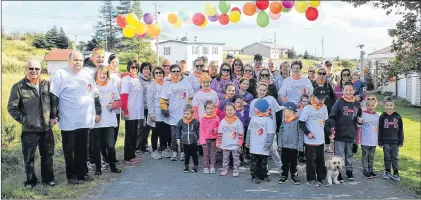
<point x="358" y="85"/>
<point x="390" y="138"/>
<point x="312" y="122"/>
<point x="188" y="133"/>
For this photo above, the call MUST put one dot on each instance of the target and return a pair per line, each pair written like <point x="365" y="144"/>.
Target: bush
<point x="126" y="57"/>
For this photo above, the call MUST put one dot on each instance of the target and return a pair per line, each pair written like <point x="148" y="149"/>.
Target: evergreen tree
<point x="306" y="55"/>
<point x="92" y="44"/>
<point x="125" y="7"/>
<point x="105" y="29"/>
<point x="137" y="9"/>
<point x="51" y="38"/>
<point x="291" y="53"/>
<point x="62" y="40"/>
<point x="40" y="42"/>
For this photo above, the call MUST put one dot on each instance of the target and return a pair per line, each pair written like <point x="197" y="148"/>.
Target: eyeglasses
<point x="321" y="74"/>
<point x="159" y="72"/>
<point x="248" y="70"/>
<point x="165" y="65"/>
<point x="199" y="66"/>
<point x="345" y="74"/>
<point x="226" y="70"/>
<point x="175" y="71"/>
<point x="264" y="75"/>
<point x="329" y="65"/>
<point x="237" y="64"/>
<point x="311" y="71"/>
<point x="32" y="68"/>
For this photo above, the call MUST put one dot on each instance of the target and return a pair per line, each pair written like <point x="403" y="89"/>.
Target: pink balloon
<point x="288" y="3"/>
<point x="274" y="16"/>
<point x="141" y="36"/>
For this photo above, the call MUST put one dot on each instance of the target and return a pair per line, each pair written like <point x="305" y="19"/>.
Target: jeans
<point x="75" y="148"/>
<point x="344" y="149"/>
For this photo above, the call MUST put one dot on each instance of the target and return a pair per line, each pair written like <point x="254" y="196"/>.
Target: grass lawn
<point x="409" y="154"/>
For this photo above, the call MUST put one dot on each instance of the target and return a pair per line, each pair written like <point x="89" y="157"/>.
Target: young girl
<point x="244" y="85"/>
<point x="242" y="112"/>
<point x="230" y="139"/>
<point x="343" y="121"/>
<point x="209" y="124"/>
<point x="260" y="136"/>
<point x="369" y="136"/>
<point x="188" y="133"/>
<point x="229" y="95"/>
<point x="305" y="100"/>
<point x="204" y="94"/>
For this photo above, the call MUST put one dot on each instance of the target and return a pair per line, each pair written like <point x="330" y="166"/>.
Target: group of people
<point x="243" y="113"/>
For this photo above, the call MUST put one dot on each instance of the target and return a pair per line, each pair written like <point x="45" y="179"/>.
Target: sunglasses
<point x="248" y="70"/>
<point x="264" y="75"/>
<point x="321" y="73"/>
<point x="311" y="71"/>
<point x="159" y="72"/>
<point x="199" y="66"/>
<point x="345" y="74"/>
<point x="133" y="67"/>
<point x="175" y="71"/>
<point x="329" y="65"/>
<point x="32" y="68"/>
<point x="237" y="64"/>
<point x="206" y="71"/>
<point x="226" y="70"/>
<point x="165" y="65"/>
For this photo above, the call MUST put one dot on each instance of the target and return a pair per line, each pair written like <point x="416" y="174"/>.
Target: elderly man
<point x="194" y="79"/>
<point x="29" y="104"/>
<point x="97" y="59"/>
<point x="75" y="95"/>
<point x="271" y="66"/>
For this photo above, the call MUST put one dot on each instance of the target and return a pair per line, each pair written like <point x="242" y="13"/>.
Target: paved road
<point x="165" y="179"/>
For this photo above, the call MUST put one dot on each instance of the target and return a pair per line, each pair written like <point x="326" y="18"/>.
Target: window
<point x="214" y="50"/>
<point x="195" y="50"/>
<point x="167" y="50"/>
<point x="205" y="50"/>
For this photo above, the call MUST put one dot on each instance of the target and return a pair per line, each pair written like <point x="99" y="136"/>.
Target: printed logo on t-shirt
<point x="259" y="132"/>
<point x="234" y="135"/>
<point x="376" y="129"/>
<point x="322" y="122"/>
<point x="348" y="110"/>
<point x="89" y="87"/>
<point x="112" y="96"/>
<point x="394" y="123"/>
<point x="304" y="91"/>
<point x="183" y="95"/>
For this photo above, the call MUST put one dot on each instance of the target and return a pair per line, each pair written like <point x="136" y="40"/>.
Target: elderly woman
<point x="296" y="85"/>
<point x="311" y="73"/>
<point x="265" y="76"/>
<point x="213" y="69"/>
<point x="225" y="76"/>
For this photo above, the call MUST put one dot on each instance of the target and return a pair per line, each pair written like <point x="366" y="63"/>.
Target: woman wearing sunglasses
<point x="225" y="76"/>
<point x="265" y="76"/>
<point x="237" y="66"/>
<point x="312" y="74"/>
<point x="345" y="77"/>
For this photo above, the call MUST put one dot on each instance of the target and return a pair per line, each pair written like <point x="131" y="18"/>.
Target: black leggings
<point x="190" y="150"/>
<point x="130" y="139"/>
<point x="163" y="132"/>
<point x="103" y="137"/>
<point x="104" y="149"/>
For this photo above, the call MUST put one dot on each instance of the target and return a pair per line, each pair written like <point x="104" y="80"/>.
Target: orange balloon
<point x="249" y="9"/>
<point x="275" y="7"/>
<point x="153" y="30"/>
<point x="172" y="18"/>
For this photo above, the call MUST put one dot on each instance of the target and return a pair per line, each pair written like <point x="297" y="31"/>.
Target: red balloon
<point x="224" y="19"/>
<point x="312" y="14"/>
<point x="262" y="4"/>
<point x="198" y="19"/>
<point x="121" y="21"/>
<point x="237" y="9"/>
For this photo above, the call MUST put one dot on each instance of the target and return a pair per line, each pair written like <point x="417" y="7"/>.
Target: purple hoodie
<point x="219" y="86"/>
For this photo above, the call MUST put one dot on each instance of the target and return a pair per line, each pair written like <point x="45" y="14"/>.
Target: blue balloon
<point x="183" y="15"/>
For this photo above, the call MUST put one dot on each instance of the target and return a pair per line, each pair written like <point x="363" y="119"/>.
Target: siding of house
<point x="217" y="56"/>
<point x="401" y="92"/>
<point x="53" y="66"/>
<point x="257" y="49"/>
<point x="418" y="95"/>
<point x="177" y="51"/>
<point x="409" y="89"/>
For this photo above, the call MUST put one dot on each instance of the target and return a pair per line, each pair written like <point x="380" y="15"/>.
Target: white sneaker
<point x="206" y="170"/>
<point x="156" y="155"/>
<point x="182" y="156"/>
<point x="174" y="156"/>
<point x="166" y="153"/>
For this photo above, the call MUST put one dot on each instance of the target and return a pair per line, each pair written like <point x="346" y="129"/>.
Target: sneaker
<point x="156" y="155"/>
<point x="49" y="184"/>
<point x="174" y="156"/>
<point x="283" y="180"/>
<point x="206" y="170"/>
<point x="132" y="161"/>
<point x="349" y="176"/>
<point x="255" y="181"/>
<point x="295" y="180"/>
<point x="325" y="183"/>
<point x="195" y="169"/>
<point x="182" y="156"/>
<point x="313" y="183"/>
<point x="374" y="175"/>
<point x="91" y="166"/>
<point x="267" y="179"/>
<point x="186" y="169"/>
<point x="367" y="175"/>
<point x="138" y="152"/>
<point x="235" y="172"/>
<point x="396" y="177"/>
<point x="340" y="179"/>
<point x="224" y="172"/>
<point x="387" y="176"/>
<point x="97" y="173"/>
<point x="29" y="186"/>
<point x="212" y="170"/>
<point x="146" y="151"/>
<point x="166" y="153"/>
<point x="87" y="178"/>
<point x="104" y="165"/>
<point x="74" y="181"/>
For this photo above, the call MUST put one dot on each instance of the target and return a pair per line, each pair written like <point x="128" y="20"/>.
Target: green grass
<point x="15" y="54"/>
<point x="409" y="154"/>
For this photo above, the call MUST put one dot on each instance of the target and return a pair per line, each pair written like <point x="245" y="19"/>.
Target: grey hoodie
<point x="188" y="133"/>
<point x="291" y="136"/>
<point x="145" y="83"/>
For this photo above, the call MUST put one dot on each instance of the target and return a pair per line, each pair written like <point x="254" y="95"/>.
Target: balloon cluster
<point x="132" y="26"/>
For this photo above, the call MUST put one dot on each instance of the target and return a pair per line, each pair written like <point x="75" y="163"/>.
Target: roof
<point x="267" y="44"/>
<point x="188" y="42"/>
<point x="387" y="49"/>
<point x="229" y="48"/>
<point x="58" y="55"/>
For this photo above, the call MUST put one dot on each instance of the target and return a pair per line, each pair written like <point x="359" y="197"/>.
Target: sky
<point x="342" y="26"/>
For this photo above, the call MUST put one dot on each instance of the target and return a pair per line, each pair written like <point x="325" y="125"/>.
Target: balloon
<point x="275" y="7"/>
<point x="249" y="9"/>
<point x="214" y="18"/>
<point x="312" y="14"/>
<point x="148" y="18"/>
<point x="262" y="4"/>
<point x="288" y="3"/>
<point x="210" y="9"/>
<point x="121" y="21"/>
<point x="314" y="4"/>
<point x="236" y="9"/>
<point x="129" y="31"/>
<point x="224" y="19"/>
<point x="183" y="15"/>
<point x="141" y="29"/>
<point x="262" y="19"/>
<point x="132" y="19"/>
<point x="235" y="16"/>
<point x="204" y="24"/>
<point x="224" y="6"/>
<point x="274" y="16"/>
<point x="153" y="30"/>
<point x="198" y="19"/>
<point x="301" y="6"/>
<point x="286" y="9"/>
<point x="141" y="36"/>
<point x="172" y="18"/>
<point x="178" y="24"/>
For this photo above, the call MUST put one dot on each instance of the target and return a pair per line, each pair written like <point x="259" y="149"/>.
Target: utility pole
<point x="74" y="46"/>
<point x="157" y="37"/>
<point x="323" y="50"/>
<point x="362" y="53"/>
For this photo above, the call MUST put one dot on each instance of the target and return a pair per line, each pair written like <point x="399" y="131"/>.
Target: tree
<point x="406" y="35"/>
<point x="92" y="44"/>
<point x="81" y="46"/>
<point x="137" y="9"/>
<point x="62" y="40"/>
<point x="40" y="42"/>
<point x="291" y="53"/>
<point x="337" y="58"/>
<point x="105" y="29"/>
<point x="124" y="7"/>
<point x="346" y="64"/>
<point x="51" y="38"/>
<point x="306" y="55"/>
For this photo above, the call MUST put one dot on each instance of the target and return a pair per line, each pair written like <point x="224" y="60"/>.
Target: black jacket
<point x="330" y="100"/>
<point x="30" y="108"/>
<point x="390" y="129"/>
<point x="343" y="118"/>
<point x="253" y="87"/>
<point x="188" y="133"/>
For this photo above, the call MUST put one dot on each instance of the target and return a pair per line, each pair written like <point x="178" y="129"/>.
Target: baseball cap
<point x="290" y="106"/>
<point x="262" y="105"/>
<point x="320" y="92"/>
<point x="230" y="56"/>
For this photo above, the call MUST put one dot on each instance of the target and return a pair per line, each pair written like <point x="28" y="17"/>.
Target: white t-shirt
<point x="194" y="82"/>
<point x="259" y="128"/>
<point x="76" y="93"/>
<point x="273" y="108"/>
<point x="294" y="89"/>
<point x="154" y="95"/>
<point x="230" y="134"/>
<point x="107" y="94"/>
<point x="315" y="122"/>
<point x="134" y="88"/>
<point x="369" y="129"/>
<point x="178" y="95"/>
<point x="199" y="100"/>
<point x="115" y="79"/>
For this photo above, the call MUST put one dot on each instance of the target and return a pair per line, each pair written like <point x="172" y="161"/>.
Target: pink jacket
<point x="208" y="129"/>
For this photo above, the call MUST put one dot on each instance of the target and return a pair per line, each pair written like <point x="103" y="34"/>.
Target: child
<point x="209" y="124"/>
<point x="244" y="85"/>
<point x="312" y="122"/>
<point x="242" y="112"/>
<point x="358" y="85"/>
<point x="229" y="95"/>
<point x="188" y="133"/>
<point x="204" y="94"/>
<point x="369" y="136"/>
<point x="390" y="138"/>
<point x="290" y="140"/>
<point x="305" y="100"/>
<point x="345" y="115"/>
<point x="230" y="139"/>
<point x="260" y="136"/>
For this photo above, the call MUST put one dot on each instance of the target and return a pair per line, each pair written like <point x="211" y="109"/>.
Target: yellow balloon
<point x="210" y="9"/>
<point x="301" y="6"/>
<point x="141" y="28"/>
<point x="132" y="19"/>
<point x="178" y="24"/>
<point x="204" y="23"/>
<point x="129" y="31"/>
<point x="235" y="16"/>
<point x="314" y="4"/>
<point x="154" y="30"/>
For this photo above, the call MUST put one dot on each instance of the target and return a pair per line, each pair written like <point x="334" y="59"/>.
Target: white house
<point x="269" y="50"/>
<point x="405" y="86"/>
<point x="231" y="50"/>
<point x="176" y="51"/>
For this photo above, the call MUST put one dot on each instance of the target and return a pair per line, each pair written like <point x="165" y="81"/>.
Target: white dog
<point x="333" y="165"/>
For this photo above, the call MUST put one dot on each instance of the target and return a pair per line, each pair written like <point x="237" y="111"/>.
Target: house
<point x="266" y="49"/>
<point x="176" y="51"/>
<point x="404" y="86"/>
<point x="231" y="50"/>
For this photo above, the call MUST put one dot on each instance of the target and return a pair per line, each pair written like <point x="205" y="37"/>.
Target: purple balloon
<point x="214" y="18"/>
<point x="288" y="4"/>
<point x="148" y="18"/>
